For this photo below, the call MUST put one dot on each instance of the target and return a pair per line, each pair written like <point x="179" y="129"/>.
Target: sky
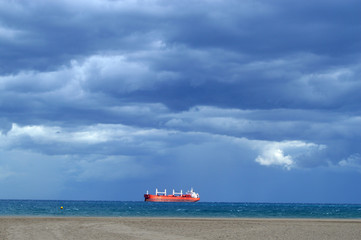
<point x="243" y="100"/>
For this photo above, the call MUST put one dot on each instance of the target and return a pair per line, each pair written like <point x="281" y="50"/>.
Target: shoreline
<point x="60" y="227"/>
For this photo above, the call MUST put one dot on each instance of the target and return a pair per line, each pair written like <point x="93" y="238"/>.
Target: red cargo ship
<point x="190" y="196"/>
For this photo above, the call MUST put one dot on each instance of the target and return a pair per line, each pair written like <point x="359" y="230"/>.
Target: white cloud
<point x="97" y="73"/>
<point x="275" y="156"/>
<point x="119" y="74"/>
<point x="35" y="81"/>
<point x="88" y="135"/>
<point x="352" y="162"/>
<point x="329" y="85"/>
<point x="287" y="154"/>
<point x="108" y="139"/>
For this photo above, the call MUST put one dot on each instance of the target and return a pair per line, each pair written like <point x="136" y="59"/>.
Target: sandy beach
<point x="47" y="228"/>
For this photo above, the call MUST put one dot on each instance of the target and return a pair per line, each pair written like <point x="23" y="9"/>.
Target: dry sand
<point x="48" y="228"/>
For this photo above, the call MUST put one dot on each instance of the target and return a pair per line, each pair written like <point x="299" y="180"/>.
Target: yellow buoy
<point x="61" y="207"/>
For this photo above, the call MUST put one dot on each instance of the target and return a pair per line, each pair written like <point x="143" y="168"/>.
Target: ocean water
<point x="199" y="209"/>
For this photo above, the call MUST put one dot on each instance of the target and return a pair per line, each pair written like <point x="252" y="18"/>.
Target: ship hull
<point x="169" y="198"/>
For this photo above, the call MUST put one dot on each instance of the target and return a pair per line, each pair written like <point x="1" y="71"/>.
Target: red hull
<point x="169" y="198"/>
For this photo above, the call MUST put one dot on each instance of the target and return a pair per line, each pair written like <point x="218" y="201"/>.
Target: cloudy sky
<point x="244" y="100"/>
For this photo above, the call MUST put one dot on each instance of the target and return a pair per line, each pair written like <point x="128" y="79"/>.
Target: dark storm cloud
<point x="273" y="28"/>
<point x="246" y="55"/>
<point x="54" y="32"/>
<point x="48" y="34"/>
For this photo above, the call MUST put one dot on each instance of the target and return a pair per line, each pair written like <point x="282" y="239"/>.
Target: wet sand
<point x="48" y="228"/>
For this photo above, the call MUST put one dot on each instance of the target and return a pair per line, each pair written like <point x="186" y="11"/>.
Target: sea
<point x="60" y="208"/>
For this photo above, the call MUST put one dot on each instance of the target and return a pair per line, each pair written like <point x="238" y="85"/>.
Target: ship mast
<point x="180" y="193"/>
<point x="165" y="192"/>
